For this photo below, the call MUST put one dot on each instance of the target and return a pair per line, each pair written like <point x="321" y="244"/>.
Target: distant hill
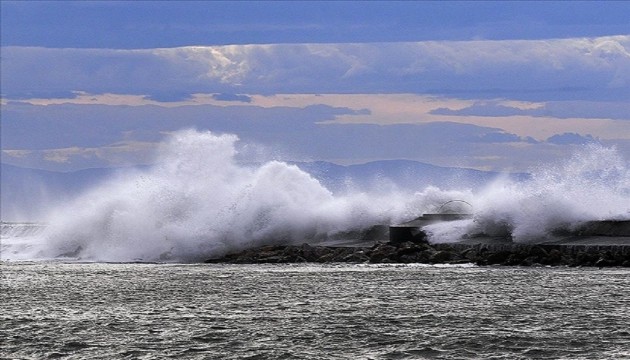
<point x="405" y="174"/>
<point x="24" y="191"/>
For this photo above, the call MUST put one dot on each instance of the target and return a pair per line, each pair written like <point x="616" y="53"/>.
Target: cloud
<point x="70" y="137"/>
<point x="552" y="109"/>
<point x="66" y="24"/>
<point x="70" y="134"/>
<point x="501" y="137"/>
<point x="73" y="158"/>
<point x="17" y="154"/>
<point x="232" y="97"/>
<point x="169" y="96"/>
<point x="38" y="127"/>
<point x="584" y="68"/>
<point x="63" y="155"/>
<point x="42" y="94"/>
<point x="482" y="108"/>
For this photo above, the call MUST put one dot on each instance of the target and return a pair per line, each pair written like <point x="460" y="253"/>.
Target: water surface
<point x="99" y="310"/>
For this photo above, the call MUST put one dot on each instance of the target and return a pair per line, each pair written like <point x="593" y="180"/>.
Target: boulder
<point x="356" y="257"/>
<point x="441" y="257"/>
<point x="495" y="258"/>
<point x="313" y="253"/>
<point x="381" y="252"/>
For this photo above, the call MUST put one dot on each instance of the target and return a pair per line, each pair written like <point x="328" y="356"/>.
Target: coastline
<point x="508" y="254"/>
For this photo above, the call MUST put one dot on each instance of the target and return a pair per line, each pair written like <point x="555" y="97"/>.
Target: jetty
<point x="604" y="243"/>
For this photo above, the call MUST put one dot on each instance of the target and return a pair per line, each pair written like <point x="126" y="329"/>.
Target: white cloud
<point x="502" y="67"/>
<point x="64" y="155"/>
<point x="17" y="154"/>
<point x="73" y="158"/>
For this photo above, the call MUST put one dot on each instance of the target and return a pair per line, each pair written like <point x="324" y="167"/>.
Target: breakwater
<point x="509" y="254"/>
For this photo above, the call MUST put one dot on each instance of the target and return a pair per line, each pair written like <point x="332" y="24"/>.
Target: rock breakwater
<point x="409" y="252"/>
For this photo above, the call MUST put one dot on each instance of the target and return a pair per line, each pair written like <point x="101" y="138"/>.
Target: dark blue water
<point x="153" y="311"/>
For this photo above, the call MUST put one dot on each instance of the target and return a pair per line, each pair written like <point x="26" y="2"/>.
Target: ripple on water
<point x="311" y="311"/>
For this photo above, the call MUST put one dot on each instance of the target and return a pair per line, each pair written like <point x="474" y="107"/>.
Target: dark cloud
<point x="555" y="109"/>
<point x="140" y="24"/>
<point x="481" y="109"/>
<point x="297" y="133"/>
<point x="169" y="96"/>
<point x="232" y="97"/>
<point x="586" y="109"/>
<point x="26" y="126"/>
<point x="40" y="94"/>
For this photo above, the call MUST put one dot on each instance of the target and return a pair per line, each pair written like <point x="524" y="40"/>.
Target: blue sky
<point x="487" y="85"/>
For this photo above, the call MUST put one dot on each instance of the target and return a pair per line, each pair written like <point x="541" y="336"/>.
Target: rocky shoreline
<point x="508" y="254"/>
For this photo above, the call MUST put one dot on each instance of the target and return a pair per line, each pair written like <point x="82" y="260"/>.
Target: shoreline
<point x="483" y="254"/>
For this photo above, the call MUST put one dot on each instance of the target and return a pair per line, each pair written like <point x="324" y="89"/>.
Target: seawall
<point x="509" y="254"/>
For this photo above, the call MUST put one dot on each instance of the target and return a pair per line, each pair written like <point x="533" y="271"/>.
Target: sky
<point x="499" y="86"/>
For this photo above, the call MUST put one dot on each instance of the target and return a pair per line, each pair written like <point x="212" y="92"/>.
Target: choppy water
<point x="99" y="310"/>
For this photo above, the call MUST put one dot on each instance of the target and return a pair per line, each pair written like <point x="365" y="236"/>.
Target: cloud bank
<point x="583" y="68"/>
<point x="159" y="24"/>
<point x="77" y="136"/>
<point x="489" y="104"/>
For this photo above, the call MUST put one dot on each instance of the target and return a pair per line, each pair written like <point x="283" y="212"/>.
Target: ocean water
<point x="198" y="311"/>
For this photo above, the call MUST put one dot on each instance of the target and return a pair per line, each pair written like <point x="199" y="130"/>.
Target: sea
<point x="80" y="310"/>
<point x="118" y="272"/>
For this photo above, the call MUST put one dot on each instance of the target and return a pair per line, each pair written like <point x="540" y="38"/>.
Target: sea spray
<point x="198" y="201"/>
<point x="594" y="184"/>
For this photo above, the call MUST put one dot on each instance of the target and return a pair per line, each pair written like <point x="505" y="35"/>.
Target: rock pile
<point x="414" y="252"/>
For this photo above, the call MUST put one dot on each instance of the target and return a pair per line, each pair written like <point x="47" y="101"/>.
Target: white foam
<point x="594" y="184"/>
<point x="197" y="202"/>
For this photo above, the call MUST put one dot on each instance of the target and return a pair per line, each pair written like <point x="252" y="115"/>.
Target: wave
<point x="593" y="185"/>
<point x="17" y="238"/>
<point x="198" y="201"/>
